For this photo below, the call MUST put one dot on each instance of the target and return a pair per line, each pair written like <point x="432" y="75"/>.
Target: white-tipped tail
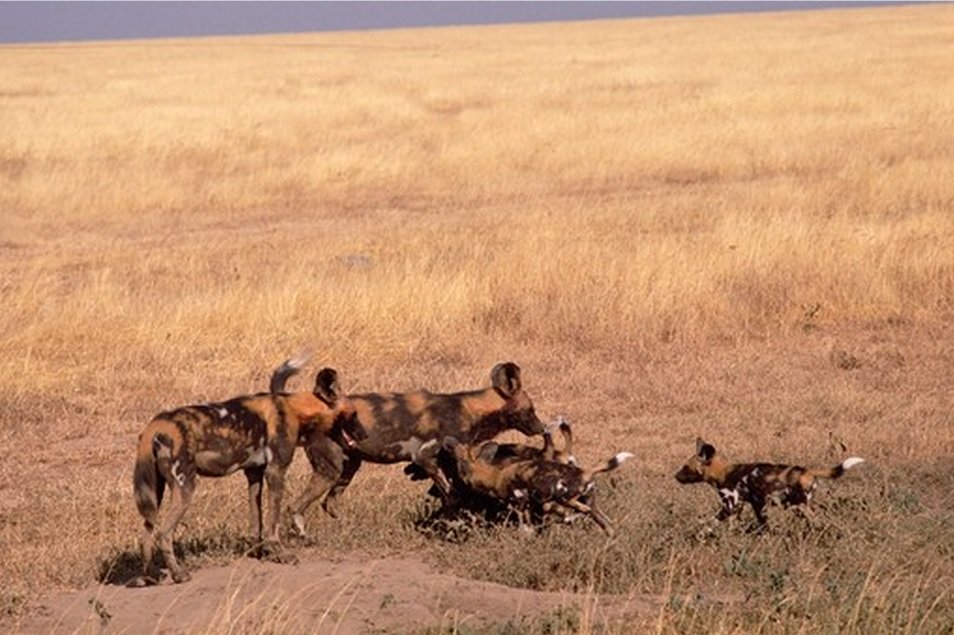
<point x="298" y="361"/>
<point x="851" y="462"/>
<point x="622" y="457"/>
<point x="288" y="369"/>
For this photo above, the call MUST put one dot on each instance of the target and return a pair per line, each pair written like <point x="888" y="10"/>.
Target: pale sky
<point x="73" y="21"/>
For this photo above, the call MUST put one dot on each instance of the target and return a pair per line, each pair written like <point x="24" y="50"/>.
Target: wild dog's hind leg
<point x="349" y="469"/>
<point x="181" y="496"/>
<point x="147" y="540"/>
<point x="327" y="463"/>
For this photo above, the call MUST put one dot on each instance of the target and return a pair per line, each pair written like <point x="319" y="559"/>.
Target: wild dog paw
<point x="330" y="508"/>
<point x="181" y="576"/>
<point x="142" y="581"/>
<point x="278" y="554"/>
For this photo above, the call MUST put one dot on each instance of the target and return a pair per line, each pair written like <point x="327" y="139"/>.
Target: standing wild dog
<point x="525" y="483"/>
<point x="392" y="427"/>
<point x="755" y="483"/>
<point x="256" y="434"/>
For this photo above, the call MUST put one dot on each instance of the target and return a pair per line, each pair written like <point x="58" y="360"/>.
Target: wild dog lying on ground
<point x="466" y="498"/>
<point x="534" y="481"/>
<point x="392" y="427"/>
<point x="505" y="453"/>
<point x="755" y="483"/>
<point x="256" y="434"/>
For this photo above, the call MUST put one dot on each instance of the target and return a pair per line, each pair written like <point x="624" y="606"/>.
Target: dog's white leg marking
<point x="299" y="521"/>
<point x="177" y="474"/>
<point x="423" y="450"/>
<point x="730" y="498"/>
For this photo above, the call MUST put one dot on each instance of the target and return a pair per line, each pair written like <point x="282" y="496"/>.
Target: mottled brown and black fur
<point x="755" y="483"/>
<point x="505" y="453"/>
<point x="392" y="427"/>
<point x="530" y="483"/>
<point x="257" y="434"/>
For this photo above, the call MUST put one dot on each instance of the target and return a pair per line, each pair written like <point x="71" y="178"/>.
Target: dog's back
<point x="534" y="481"/>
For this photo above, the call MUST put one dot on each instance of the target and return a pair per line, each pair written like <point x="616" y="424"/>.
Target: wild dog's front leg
<point x="730" y="500"/>
<point x="444" y="475"/>
<point x="758" y="506"/>
<point x="428" y="461"/>
<point x="593" y="513"/>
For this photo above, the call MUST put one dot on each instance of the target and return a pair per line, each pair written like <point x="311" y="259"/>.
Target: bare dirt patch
<point x="342" y="595"/>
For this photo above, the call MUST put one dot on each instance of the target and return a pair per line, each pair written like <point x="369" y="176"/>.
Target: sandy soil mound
<point x="344" y="596"/>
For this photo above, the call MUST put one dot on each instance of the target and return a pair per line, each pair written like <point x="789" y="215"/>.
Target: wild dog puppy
<point x="535" y="481"/>
<point x="392" y="427"/>
<point x="755" y="483"/>
<point x="256" y="434"/>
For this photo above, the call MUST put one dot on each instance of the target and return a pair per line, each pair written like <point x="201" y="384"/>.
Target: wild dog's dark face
<point x="698" y="467"/>
<point x="517" y="412"/>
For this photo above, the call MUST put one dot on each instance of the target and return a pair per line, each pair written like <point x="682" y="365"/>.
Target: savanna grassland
<point x="739" y="227"/>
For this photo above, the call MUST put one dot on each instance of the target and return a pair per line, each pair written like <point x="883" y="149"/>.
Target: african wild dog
<point x="465" y="497"/>
<point x="392" y="427"/>
<point x="755" y="483"/>
<point x="506" y="453"/>
<point x="256" y="434"/>
<point x="525" y="483"/>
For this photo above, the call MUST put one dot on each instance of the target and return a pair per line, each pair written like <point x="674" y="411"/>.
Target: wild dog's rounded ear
<point x="487" y="452"/>
<point x="450" y="443"/>
<point x="326" y="385"/>
<point x="506" y="378"/>
<point x="704" y="450"/>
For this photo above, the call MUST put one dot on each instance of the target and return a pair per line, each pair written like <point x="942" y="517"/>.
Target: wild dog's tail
<point x="610" y="465"/>
<point x="288" y="369"/>
<point x="838" y="470"/>
<point x="149" y="484"/>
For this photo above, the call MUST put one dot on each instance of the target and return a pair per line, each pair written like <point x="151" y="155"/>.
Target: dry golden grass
<point x="676" y="226"/>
